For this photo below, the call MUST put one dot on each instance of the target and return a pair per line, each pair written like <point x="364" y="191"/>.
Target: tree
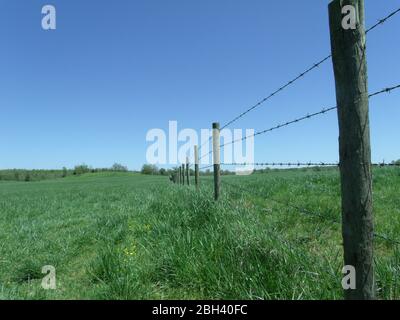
<point x="149" y="169"/>
<point x="119" y="167"/>
<point x="162" y="171"/>
<point x="81" y="169"/>
<point x="64" y="172"/>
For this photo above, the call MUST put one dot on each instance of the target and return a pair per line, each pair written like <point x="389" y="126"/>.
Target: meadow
<point x="275" y="235"/>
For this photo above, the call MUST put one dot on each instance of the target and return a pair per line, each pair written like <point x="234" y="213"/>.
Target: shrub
<point x="149" y="169"/>
<point x="81" y="169"/>
<point x="119" y="167"/>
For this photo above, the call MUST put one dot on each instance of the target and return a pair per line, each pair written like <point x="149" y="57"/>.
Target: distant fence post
<point x="187" y="171"/>
<point x="182" y="182"/>
<point x="179" y="175"/>
<point x="196" y="166"/>
<point x="350" y="68"/>
<point x="216" y="160"/>
<point x="183" y="174"/>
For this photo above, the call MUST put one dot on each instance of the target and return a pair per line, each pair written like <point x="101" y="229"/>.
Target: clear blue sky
<point x="90" y="91"/>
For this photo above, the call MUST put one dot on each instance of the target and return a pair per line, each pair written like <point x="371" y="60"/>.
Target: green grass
<point x="127" y="236"/>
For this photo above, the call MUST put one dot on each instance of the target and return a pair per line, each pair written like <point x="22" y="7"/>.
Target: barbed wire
<point x="315" y="65"/>
<point x="207" y="154"/>
<point x="383" y="164"/>
<point x="304" y="164"/>
<point x="382" y="21"/>
<point x="308" y="116"/>
<point x="206" y="167"/>
<point x="279" y="126"/>
<point x="385" y="90"/>
<point x="295" y="164"/>
<point x="208" y="141"/>
<point x="281" y="164"/>
<point x="305" y="210"/>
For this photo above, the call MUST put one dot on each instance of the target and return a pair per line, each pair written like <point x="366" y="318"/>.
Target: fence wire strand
<point x="315" y="65"/>
<point x="383" y="20"/>
<point x="304" y="164"/>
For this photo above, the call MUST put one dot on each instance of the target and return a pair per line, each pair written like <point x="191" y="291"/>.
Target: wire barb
<point x="383" y="20"/>
<point x="385" y="90"/>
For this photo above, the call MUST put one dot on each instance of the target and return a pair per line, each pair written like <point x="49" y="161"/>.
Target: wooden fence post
<point x="187" y="171"/>
<point x="179" y="175"/>
<point x="216" y="160"/>
<point x="183" y="174"/>
<point x="196" y="166"/>
<point x="350" y="68"/>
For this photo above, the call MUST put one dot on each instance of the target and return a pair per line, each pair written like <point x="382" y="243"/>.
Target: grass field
<point x="127" y="236"/>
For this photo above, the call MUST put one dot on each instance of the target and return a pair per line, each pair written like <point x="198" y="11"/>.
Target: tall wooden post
<point x="216" y="160"/>
<point x="350" y="68"/>
<point x="187" y="171"/>
<point x="179" y="175"/>
<point x="183" y="174"/>
<point x="196" y="166"/>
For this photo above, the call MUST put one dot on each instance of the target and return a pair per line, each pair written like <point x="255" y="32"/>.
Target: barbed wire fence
<point x="292" y="81"/>
<point x="359" y="101"/>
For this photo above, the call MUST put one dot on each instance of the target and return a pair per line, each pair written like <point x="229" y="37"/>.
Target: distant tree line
<point x="38" y="175"/>
<point x="29" y="175"/>
<point x="147" y="169"/>
<point x="150" y="169"/>
<point x="83" y="168"/>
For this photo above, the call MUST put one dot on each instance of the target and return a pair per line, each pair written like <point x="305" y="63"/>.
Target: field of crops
<point x="275" y="235"/>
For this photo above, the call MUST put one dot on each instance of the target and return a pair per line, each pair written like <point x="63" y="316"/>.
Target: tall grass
<point x="133" y="237"/>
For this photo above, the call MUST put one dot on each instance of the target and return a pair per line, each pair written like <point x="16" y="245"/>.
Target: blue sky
<point x="90" y="90"/>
